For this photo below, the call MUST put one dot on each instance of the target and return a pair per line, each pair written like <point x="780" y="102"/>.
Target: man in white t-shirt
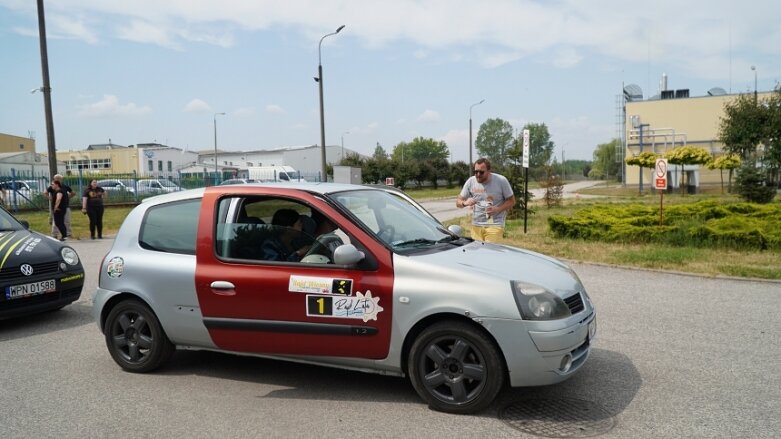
<point x="491" y="197"/>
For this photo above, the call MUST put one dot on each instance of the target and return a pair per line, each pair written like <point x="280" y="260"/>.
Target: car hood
<point x="506" y="263"/>
<point x="23" y="246"/>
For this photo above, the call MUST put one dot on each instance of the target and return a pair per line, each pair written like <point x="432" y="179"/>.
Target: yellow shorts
<point x="487" y="234"/>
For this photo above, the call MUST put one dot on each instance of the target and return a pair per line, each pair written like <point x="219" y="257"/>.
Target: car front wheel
<point x="135" y="338"/>
<point x="456" y="368"/>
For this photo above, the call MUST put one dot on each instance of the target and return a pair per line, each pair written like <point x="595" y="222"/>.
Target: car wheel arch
<point x="432" y="319"/>
<point x="117" y="299"/>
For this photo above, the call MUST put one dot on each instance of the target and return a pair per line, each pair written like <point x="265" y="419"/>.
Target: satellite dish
<point x="633" y="92"/>
<point x="716" y="91"/>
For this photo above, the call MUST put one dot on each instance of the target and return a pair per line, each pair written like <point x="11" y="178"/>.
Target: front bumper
<point x="538" y="358"/>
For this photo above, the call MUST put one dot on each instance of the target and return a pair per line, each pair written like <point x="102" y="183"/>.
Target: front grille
<point x="14" y="273"/>
<point x="574" y="303"/>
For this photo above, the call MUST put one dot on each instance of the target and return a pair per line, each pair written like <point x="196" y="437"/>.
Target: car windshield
<point x="167" y="183"/>
<point x="8" y="222"/>
<point x="395" y="220"/>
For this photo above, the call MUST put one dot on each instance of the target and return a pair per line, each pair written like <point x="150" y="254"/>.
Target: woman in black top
<point x="92" y="205"/>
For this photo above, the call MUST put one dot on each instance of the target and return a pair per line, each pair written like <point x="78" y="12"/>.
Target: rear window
<point x="171" y="228"/>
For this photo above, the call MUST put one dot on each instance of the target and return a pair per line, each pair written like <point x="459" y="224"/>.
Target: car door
<point x="292" y="308"/>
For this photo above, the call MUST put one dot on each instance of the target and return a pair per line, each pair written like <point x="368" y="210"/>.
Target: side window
<point x="267" y="229"/>
<point x="171" y="227"/>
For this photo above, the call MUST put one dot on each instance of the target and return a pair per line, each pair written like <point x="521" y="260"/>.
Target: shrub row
<point x="706" y="223"/>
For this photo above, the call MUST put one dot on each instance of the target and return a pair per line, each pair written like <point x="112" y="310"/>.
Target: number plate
<point x="592" y="329"/>
<point x="31" y="289"/>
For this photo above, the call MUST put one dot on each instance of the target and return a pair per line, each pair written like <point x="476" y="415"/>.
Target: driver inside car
<point x="283" y="245"/>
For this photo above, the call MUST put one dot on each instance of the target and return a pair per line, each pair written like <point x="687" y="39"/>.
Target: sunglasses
<point x="478" y="172"/>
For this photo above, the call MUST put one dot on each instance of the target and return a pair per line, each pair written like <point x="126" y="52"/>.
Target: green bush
<point x="704" y="224"/>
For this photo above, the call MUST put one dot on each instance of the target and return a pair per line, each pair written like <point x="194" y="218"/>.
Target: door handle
<point x="223" y="288"/>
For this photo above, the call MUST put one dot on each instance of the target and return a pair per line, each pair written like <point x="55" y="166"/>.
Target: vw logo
<point x="27" y="269"/>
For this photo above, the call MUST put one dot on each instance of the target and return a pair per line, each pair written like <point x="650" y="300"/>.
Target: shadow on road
<point x="76" y="314"/>
<point x="609" y="379"/>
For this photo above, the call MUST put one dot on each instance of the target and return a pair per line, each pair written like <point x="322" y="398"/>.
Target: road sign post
<point x="526" y="183"/>
<point x="660" y="183"/>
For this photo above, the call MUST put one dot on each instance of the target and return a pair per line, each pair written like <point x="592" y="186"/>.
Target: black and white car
<point x="37" y="273"/>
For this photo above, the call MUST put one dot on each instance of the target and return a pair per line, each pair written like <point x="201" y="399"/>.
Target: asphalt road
<point x="675" y="356"/>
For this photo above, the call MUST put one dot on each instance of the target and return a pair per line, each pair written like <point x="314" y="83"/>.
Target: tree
<point x="540" y="147"/>
<point x="687" y="155"/>
<point x="380" y="153"/>
<point x="435" y="170"/>
<point x="751" y="185"/>
<point x="494" y="139"/>
<point x="743" y="127"/>
<point x="460" y="172"/>
<point x="604" y="164"/>
<point x="646" y="159"/>
<point x="726" y="161"/>
<point x="420" y="149"/>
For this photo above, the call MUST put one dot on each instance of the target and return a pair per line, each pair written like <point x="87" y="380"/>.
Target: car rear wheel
<point x="456" y="368"/>
<point x="135" y="338"/>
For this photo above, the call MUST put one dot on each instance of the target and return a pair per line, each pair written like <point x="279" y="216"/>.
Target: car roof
<point x="318" y="188"/>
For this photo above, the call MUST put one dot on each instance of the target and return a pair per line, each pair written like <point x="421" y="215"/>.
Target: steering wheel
<point x="387" y="233"/>
<point x="322" y="246"/>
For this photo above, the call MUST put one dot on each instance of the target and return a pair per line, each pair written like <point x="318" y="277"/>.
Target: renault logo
<point x="27" y="269"/>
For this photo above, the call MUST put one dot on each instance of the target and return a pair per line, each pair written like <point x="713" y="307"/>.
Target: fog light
<point x="566" y="363"/>
<point x="63" y="267"/>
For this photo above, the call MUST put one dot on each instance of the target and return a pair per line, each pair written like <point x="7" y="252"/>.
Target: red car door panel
<point x="295" y="308"/>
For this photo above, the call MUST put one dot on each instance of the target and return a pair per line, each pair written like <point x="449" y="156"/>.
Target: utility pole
<point x="47" y="92"/>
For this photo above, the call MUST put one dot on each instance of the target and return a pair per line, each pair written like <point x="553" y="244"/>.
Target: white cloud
<point x="456" y="140"/>
<point x="428" y="116"/>
<point x="147" y="32"/>
<point x="275" y="109"/>
<point x="197" y="106"/>
<point x="109" y="106"/>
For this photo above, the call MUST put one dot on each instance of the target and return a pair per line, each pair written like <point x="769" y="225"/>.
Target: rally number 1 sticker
<point x="360" y="306"/>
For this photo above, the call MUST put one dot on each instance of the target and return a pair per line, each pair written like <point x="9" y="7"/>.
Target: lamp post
<point x="216" y="172"/>
<point x="346" y="132"/>
<point x="754" y="69"/>
<point x="470" y="130"/>
<point x="319" y="80"/>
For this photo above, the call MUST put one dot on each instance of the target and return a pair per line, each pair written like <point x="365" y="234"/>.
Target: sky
<point x="141" y="71"/>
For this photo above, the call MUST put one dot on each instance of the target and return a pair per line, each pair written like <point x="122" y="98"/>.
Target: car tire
<point x="456" y="368"/>
<point x="135" y="338"/>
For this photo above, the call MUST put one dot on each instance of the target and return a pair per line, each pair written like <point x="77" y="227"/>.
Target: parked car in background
<point x="156" y="186"/>
<point x="380" y="286"/>
<point x="38" y="273"/>
<point x="117" y="186"/>
<point x="239" y="181"/>
<point x="24" y="190"/>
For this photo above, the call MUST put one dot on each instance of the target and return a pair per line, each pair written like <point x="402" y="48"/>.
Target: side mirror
<point x="456" y="229"/>
<point x="25" y="224"/>
<point x="347" y="254"/>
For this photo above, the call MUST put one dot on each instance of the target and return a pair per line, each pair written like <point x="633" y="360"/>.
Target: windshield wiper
<point x="414" y="241"/>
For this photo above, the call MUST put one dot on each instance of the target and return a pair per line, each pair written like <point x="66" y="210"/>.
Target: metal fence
<point x="22" y="190"/>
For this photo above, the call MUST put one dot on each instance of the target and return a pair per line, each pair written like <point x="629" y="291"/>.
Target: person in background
<point x="491" y="197"/>
<point x="59" y="202"/>
<point x="50" y="194"/>
<point x="92" y="205"/>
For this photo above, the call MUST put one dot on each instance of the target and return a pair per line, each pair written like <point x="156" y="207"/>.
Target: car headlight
<point x="537" y="303"/>
<point x="69" y="256"/>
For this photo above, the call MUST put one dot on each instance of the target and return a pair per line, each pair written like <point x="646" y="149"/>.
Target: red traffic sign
<point x="661" y="183"/>
<point x="660" y="174"/>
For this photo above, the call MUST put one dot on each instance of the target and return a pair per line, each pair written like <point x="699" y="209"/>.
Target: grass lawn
<point x="112" y="219"/>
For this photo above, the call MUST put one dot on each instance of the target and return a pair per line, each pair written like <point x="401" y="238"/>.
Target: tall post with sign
<point x="660" y="184"/>
<point x="526" y="178"/>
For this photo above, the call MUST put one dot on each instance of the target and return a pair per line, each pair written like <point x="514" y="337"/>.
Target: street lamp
<point x="346" y="132"/>
<point x="470" y="130"/>
<point x="754" y="69"/>
<point x="216" y="172"/>
<point x="319" y="79"/>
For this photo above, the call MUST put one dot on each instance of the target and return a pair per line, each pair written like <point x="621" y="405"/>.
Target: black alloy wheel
<point x="135" y="338"/>
<point x="456" y="368"/>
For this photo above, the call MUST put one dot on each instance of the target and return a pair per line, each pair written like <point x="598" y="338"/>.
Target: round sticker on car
<point x="115" y="267"/>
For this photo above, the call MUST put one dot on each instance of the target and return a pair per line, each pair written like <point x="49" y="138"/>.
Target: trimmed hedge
<point x="707" y="223"/>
